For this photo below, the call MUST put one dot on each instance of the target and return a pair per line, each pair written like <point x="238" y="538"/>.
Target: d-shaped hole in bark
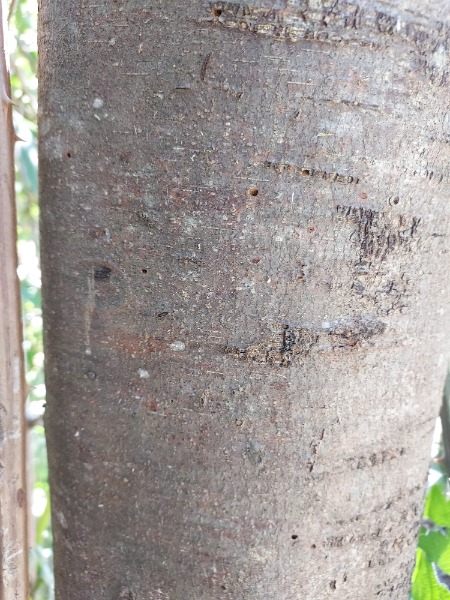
<point x="144" y="271"/>
<point x="253" y="191"/>
<point x="216" y="12"/>
<point x="294" y="536"/>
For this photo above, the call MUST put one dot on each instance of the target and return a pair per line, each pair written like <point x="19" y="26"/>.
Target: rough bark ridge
<point x="245" y="236"/>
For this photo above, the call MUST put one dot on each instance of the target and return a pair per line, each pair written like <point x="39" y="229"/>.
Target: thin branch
<point x="12" y="10"/>
<point x="13" y="496"/>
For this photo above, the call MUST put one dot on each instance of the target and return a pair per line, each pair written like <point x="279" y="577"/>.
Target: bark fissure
<point x="283" y="167"/>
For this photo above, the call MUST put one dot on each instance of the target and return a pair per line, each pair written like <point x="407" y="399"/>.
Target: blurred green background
<point x="433" y="553"/>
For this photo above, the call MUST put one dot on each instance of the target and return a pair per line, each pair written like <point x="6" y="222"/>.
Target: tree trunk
<point x="244" y="246"/>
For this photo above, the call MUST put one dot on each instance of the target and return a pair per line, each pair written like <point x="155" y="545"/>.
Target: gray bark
<point x="244" y="248"/>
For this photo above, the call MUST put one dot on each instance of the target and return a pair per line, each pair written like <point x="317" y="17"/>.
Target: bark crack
<point x="288" y="344"/>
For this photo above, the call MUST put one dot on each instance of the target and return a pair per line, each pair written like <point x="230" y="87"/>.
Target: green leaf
<point x="425" y="585"/>
<point x="437" y="507"/>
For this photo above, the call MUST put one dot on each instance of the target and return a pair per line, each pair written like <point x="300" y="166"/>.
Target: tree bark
<point x="244" y="248"/>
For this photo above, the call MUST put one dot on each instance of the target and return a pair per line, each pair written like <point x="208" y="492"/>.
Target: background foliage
<point x="433" y="552"/>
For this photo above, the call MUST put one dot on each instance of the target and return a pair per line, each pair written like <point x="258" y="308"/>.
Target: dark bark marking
<point x="279" y="348"/>
<point x="375" y="459"/>
<point x="391" y="504"/>
<point x="352" y="104"/>
<point x="101" y="273"/>
<point x="287" y="344"/>
<point x="314" y="451"/>
<point x="375" y="235"/>
<point x="387" y="295"/>
<point x="283" y="167"/>
<point x="431" y="175"/>
<point x="386" y="23"/>
<point x="204" y="66"/>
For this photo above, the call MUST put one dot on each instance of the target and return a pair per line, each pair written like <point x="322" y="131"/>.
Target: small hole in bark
<point x="313" y="546"/>
<point x="395" y="200"/>
<point x="144" y="271"/>
<point x="91" y="375"/>
<point x="69" y="155"/>
<point x="102" y="273"/>
<point x="294" y="536"/>
<point x="305" y="172"/>
<point x="311" y="229"/>
<point x="253" y="191"/>
<point x="216" y="12"/>
<point x="223" y="587"/>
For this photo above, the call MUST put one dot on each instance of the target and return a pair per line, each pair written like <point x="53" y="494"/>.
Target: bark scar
<point x="288" y="344"/>
<point x="204" y="66"/>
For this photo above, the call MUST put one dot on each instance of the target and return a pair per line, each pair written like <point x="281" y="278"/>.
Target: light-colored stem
<point x="13" y="496"/>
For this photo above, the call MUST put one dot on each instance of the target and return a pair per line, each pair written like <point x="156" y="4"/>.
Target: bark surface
<point x="244" y="245"/>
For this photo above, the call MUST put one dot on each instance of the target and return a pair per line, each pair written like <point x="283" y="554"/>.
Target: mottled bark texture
<point x="245" y="241"/>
